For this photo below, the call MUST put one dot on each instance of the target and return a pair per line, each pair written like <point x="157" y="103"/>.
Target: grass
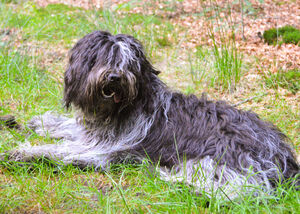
<point x="47" y="187"/>
<point x="289" y="80"/>
<point x="33" y="46"/>
<point x="23" y="84"/>
<point x="56" y="24"/>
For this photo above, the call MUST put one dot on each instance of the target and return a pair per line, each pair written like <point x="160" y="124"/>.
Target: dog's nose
<point x="113" y="77"/>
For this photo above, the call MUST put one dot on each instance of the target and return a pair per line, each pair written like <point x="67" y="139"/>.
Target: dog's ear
<point x="73" y="73"/>
<point x="145" y="62"/>
<point x="148" y="66"/>
<point x="81" y="59"/>
<point x="139" y="51"/>
<point x="68" y="89"/>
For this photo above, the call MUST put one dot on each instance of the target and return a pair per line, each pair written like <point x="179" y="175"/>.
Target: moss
<point x="286" y="34"/>
<point x="291" y="37"/>
<point x="270" y="36"/>
<point x="164" y="41"/>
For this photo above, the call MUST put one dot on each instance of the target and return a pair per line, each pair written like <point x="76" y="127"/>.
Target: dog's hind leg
<point x="56" y="126"/>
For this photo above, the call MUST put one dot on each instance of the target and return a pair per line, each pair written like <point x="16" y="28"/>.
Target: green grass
<point x="53" y="23"/>
<point x="126" y="189"/>
<point x="31" y="85"/>
<point x="23" y="84"/>
<point x="59" y="23"/>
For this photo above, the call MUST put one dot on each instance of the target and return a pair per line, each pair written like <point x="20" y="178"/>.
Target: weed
<point x="220" y="67"/>
<point x="200" y="65"/>
<point x="164" y="41"/>
<point x="224" y="69"/>
<point x="228" y="64"/>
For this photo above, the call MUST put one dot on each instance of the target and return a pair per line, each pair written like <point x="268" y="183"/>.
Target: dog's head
<point x="104" y="72"/>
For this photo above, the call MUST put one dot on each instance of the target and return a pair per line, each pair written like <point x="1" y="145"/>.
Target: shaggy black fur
<point x="193" y="128"/>
<point x="125" y="110"/>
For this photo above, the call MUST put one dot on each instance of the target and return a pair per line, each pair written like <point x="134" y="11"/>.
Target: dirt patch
<point x="87" y="4"/>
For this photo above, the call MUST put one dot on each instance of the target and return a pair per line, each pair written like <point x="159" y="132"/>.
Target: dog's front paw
<point x="55" y="126"/>
<point x="3" y="156"/>
<point x="76" y="161"/>
<point x="18" y="154"/>
<point x="35" y="123"/>
<point x="43" y="124"/>
<point x="13" y="155"/>
<point x="82" y="161"/>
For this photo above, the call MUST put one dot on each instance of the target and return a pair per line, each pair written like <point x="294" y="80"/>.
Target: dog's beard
<point x="109" y="96"/>
<point x="123" y="90"/>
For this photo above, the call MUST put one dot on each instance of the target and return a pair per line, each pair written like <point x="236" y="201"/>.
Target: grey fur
<point x="125" y="111"/>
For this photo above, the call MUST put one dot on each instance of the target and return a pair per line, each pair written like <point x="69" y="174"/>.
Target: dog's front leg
<point x="56" y="126"/>
<point x="26" y="152"/>
<point x="88" y="159"/>
<point x="100" y="159"/>
<point x="68" y="152"/>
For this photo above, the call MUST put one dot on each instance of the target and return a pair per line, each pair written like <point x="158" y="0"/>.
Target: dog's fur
<point x="124" y="112"/>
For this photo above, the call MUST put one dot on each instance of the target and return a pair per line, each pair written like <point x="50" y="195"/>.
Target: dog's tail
<point x="9" y="121"/>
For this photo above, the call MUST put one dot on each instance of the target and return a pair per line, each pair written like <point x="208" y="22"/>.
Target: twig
<point x="226" y="195"/>
<point x="242" y="13"/>
<point x="248" y="99"/>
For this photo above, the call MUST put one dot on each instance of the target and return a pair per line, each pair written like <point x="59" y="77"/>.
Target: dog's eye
<point x="92" y="62"/>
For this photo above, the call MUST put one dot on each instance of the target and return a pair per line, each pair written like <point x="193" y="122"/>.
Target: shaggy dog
<point x="125" y="112"/>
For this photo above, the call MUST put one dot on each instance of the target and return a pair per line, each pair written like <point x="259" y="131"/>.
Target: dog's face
<point x="105" y="73"/>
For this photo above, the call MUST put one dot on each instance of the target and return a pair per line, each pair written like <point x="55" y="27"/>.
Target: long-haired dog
<point x="125" y="112"/>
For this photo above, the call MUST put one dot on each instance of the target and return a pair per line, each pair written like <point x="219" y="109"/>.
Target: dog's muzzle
<point x="113" y="89"/>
